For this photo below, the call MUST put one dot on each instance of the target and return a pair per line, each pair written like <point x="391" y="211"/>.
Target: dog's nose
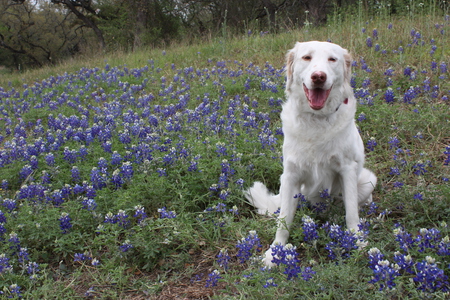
<point x="318" y="77"/>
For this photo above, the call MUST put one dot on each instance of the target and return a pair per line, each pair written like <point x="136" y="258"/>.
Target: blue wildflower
<point x="245" y="246"/>
<point x="213" y="278"/>
<point x="126" y="246"/>
<point x="223" y="258"/>
<point x="431" y="278"/>
<point x="310" y="233"/>
<point x="270" y="282"/>
<point x="384" y="274"/>
<point x="140" y="213"/>
<point x="164" y="214"/>
<point x="371" y="143"/>
<point x="404" y="238"/>
<point x="64" y="222"/>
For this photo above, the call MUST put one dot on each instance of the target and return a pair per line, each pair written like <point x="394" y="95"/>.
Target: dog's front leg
<point x="350" y="190"/>
<point x="289" y="187"/>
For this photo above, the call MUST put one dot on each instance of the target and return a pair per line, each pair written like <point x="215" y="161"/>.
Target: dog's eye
<point x="332" y="59"/>
<point x="307" y="57"/>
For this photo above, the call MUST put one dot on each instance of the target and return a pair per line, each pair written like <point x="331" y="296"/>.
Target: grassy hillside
<point x="122" y="175"/>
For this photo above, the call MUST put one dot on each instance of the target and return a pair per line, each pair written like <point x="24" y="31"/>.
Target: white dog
<point x="322" y="148"/>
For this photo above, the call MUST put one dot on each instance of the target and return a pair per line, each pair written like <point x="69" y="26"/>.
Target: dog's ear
<point x="348" y="66"/>
<point x="290" y="57"/>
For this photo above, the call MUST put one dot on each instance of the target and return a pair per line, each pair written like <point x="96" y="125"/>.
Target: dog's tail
<point x="260" y="197"/>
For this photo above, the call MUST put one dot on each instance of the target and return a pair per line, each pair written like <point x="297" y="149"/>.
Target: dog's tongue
<point x="316" y="97"/>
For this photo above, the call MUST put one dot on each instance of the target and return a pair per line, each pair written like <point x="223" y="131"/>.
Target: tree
<point x="34" y="35"/>
<point x="84" y="11"/>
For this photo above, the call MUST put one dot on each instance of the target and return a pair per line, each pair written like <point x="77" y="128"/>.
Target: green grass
<point x="173" y="257"/>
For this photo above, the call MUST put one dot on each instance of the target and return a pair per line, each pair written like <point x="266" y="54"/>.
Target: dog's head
<point x="321" y="69"/>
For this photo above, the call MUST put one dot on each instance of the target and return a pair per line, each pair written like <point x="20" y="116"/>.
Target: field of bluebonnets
<point x="125" y="179"/>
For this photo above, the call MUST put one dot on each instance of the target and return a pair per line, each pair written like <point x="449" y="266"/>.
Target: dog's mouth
<point x="316" y="97"/>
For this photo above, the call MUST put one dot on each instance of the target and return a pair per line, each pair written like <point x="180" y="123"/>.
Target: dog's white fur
<point x="322" y="148"/>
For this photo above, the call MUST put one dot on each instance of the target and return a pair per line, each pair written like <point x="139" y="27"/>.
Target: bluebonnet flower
<point x="287" y="255"/>
<point x="369" y="42"/>
<point x="405" y="262"/>
<point x="245" y="246"/>
<point x="443" y="248"/>
<point x="403" y="238"/>
<point x="50" y="159"/>
<point x="64" y="222"/>
<point x="14" y="290"/>
<point x="193" y="166"/>
<point x="307" y="273"/>
<point x="95" y="262"/>
<point x="161" y="172"/>
<point x="89" y="204"/>
<point x="270" y="282"/>
<point x="117" y="179"/>
<point x="45" y="178"/>
<point x="375" y="256"/>
<point x="427" y="238"/>
<point x="389" y="95"/>
<point x="33" y="162"/>
<point x="310" y="233"/>
<point x="234" y="210"/>
<point x="140" y="213"/>
<point x="443" y="67"/>
<point x="223" y="259"/>
<point x="398" y="184"/>
<point x="411" y="94"/>
<point x="57" y="197"/>
<point x="371" y="143"/>
<point x="98" y="179"/>
<point x="4" y="185"/>
<point x="9" y="204"/>
<point x="116" y="158"/>
<point x="418" y="196"/>
<point x="32" y="270"/>
<point x="384" y="274"/>
<point x="25" y="172"/>
<point x="110" y="218"/>
<point x="213" y="278"/>
<point x="343" y="242"/>
<point x="126" y="170"/>
<point x="419" y="168"/>
<point x="375" y="33"/>
<point x="164" y="214"/>
<point x="122" y="219"/>
<point x="80" y="257"/>
<point x="2" y="217"/>
<point x="23" y="254"/>
<point x="361" y="117"/>
<point x="14" y="239"/>
<point x="324" y="194"/>
<point x="90" y="293"/>
<point x="224" y="194"/>
<point x="126" y="246"/>
<point x="372" y="208"/>
<point x="447" y="153"/>
<point x="5" y="266"/>
<point x="2" y="230"/>
<point x="221" y="149"/>
<point x="393" y="142"/>
<point x="70" y="155"/>
<point x="407" y="71"/>
<point x="291" y="261"/>
<point x="429" y="277"/>
<point x="394" y="171"/>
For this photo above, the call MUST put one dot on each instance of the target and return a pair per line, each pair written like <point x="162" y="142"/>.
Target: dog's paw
<point x="267" y="259"/>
